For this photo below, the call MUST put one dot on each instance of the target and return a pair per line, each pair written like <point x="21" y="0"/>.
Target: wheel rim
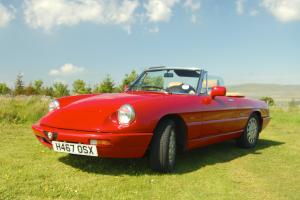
<point x="252" y="130"/>
<point x="172" y="148"/>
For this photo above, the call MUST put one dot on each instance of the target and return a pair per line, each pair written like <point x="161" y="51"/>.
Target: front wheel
<point x="163" y="147"/>
<point x="251" y="132"/>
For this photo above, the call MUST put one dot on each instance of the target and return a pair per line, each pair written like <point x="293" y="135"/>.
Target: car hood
<point x="90" y="114"/>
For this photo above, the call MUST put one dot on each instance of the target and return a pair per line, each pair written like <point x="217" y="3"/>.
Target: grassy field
<point x="222" y="171"/>
<point x="282" y="94"/>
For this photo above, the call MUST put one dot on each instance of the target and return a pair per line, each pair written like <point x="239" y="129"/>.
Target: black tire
<point x="163" y="147"/>
<point x="251" y="133"/>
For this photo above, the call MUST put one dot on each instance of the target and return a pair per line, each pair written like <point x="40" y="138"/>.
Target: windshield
<point x="177" y="81"/>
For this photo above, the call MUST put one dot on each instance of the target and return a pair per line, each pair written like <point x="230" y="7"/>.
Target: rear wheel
<point x="251" y="132"/>
<point x="163" y="147"/>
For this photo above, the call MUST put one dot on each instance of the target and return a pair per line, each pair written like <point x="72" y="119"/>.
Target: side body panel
<point x="221" y="119"/>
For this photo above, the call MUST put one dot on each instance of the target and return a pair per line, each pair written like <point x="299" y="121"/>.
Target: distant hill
<point x="280" y="93"/>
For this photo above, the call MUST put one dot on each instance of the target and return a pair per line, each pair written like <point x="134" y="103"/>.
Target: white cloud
<point x="193" y="6"/>
<point x="47" y="14"/>
<point x="66" y="69"/>
<point x="6" y="15"/>
<point x="283" y="10"/>
<point x="240" y="6"/>
<point x="159" y="10"/>
<point x="51" y="14"/>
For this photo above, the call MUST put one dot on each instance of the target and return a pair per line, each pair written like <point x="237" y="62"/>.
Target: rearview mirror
<point x="218" y="91"/>
<point x="168" y="75"/>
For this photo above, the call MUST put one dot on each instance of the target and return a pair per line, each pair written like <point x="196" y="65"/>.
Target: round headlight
<point x="126" y="114"/>
<point x="53" y="105"/>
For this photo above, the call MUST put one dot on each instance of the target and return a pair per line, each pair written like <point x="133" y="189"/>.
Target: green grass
<point x="222" y="171"/>
<point x="22" y="109"/>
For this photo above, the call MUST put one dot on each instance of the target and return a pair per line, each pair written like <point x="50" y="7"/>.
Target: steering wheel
<point x="182" y="88"/>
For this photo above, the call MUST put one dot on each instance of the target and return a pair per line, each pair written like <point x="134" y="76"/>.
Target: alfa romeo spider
<point x="166" y="110"/>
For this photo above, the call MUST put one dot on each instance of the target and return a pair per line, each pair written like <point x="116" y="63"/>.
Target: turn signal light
<point x="101" y="142"/>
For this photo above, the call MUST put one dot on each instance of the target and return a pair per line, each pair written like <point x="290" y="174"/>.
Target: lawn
<point x="222" y="171"/>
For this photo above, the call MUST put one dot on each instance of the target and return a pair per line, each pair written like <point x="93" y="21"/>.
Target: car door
<point x="218" y="117"/>
<point x="210" y="117"/>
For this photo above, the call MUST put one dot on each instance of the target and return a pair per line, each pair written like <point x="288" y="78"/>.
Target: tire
<point x="163" y="147"/>
<point x="251" y="133"/>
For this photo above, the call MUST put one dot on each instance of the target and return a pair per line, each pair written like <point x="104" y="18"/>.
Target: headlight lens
<point x="126" y="114"/>
<point x="53" y="105"/>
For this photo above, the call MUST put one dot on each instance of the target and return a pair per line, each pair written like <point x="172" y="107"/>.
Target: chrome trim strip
<point x="216" y="121"/>
<point x="215" y="136"/>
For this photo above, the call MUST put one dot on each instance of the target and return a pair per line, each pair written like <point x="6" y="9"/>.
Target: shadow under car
<point x="186" y="162"/>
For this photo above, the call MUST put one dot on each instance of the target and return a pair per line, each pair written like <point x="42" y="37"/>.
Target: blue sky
<point x="245" y="41"/>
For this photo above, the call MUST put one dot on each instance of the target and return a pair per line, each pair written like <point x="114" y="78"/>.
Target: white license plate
<point x="72" y="148"/>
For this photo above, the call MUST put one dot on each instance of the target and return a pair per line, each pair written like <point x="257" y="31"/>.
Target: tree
<point x="19" y="85"/>
<point x="48" y="91"/>
<point x="269" y="100"/>
<point x="106" y="86"/>
<point x="60" y="89"/>
<point x="38" y="86"/>
<point x="29" y="90"/>
<point x="79" y="87"/>
<point x="128" y="79"/>
<point x="4" y="89"/>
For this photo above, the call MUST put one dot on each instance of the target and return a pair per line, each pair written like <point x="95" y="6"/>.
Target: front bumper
<point x="122" y="145"/>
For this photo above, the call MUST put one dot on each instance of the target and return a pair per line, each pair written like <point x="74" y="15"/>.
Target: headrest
<point x="171" y="84"/>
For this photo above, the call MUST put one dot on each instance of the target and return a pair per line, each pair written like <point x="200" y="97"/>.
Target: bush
<point x="22" y="109"/>
<point x="269" y="100"/>
<point x="4" y="89"/>
<point x="48" y="91"/>
<point x="38" y="87"/>
<point x="29" y="90"/>
<point x="129" y="78"/>
<point x="60" y="89"/>
<point x="106" y="86"/>
<point x="19" y="85"/>
<point x="79" y="87"/>
<point x="293" y="105"/>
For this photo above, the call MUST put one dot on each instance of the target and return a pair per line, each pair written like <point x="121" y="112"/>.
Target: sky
<point x="244" y="41"/>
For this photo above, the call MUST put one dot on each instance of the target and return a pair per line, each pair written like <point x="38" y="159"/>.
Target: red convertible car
<point x="164" y="111"/>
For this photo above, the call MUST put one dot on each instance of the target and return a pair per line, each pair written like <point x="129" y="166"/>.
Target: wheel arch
<point x="180" y="128"/>
<point x="258" y="114"/>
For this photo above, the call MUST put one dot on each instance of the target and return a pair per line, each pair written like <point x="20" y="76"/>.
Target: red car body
<point x="204" y="119"/>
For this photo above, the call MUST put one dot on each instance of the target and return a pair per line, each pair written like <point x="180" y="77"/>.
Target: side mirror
<point x="218" y="91"/>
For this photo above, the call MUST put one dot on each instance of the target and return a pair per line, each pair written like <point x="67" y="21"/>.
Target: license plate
<point x="72" y="148"/>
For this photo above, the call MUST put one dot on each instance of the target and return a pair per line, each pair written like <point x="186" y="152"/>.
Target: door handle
<point x="231" y="100"/>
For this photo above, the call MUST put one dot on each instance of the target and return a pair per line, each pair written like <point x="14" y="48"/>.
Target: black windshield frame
<point x="201" y="73"/>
